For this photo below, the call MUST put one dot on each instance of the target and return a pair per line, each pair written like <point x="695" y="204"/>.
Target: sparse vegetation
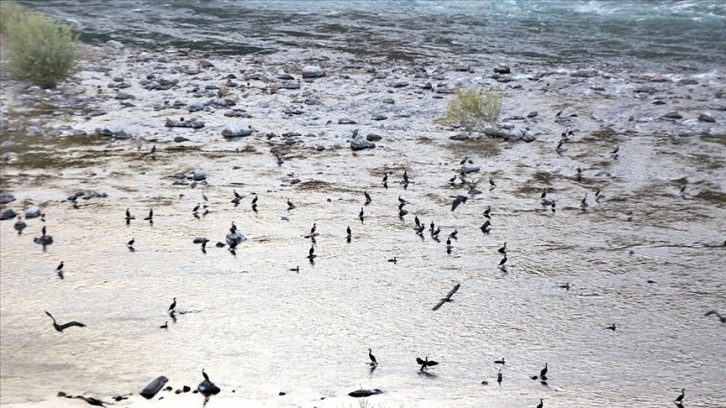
<point x="39" y="51"/>
<point x="472" y="109"/>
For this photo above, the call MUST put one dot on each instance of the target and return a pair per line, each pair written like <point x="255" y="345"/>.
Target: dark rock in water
<point x="687" y="81"/>
<point x="200" y="240"/>
<point x="379" y="117"/>
<point x="193" y="123"/>
<point x="706" y="117"/>
<point x="208" y="388"/>
<point x="532" y="114"/>
<point x="154" y="387"/>
<point x="124" y="96"/>
<point x="494" y="131"/>
<point x="312" y="71"/>
<point x="346" y="121"/>
<point x="178" y="391"/>
<point x="365" y="393"/>
<point x="236" y="130"/>
<point x="400" y="84"/>
<point x="114" y="132"/>
<point x="585" y="73"/>
<point x="8" y="214"/>
<point x="459" y="137"/>
<point x="372" y="137"/>
<point x="6" y="198"/>
<point x="235" y="238"/>
<point x="180" y="139"/>
<point x="219" y="102"/>
<point x="502" y="69"/>
<point x="199" y="175"/>
<point x="32" y="212"/>
<point x="359" y="144"/>
<point x="186" y="388"/>
<point x="282" y="393"/>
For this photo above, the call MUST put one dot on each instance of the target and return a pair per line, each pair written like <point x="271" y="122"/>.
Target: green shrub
<point x="10" y="11"/>
<point x="39" y="51"/>
<point x="472" y="109"/>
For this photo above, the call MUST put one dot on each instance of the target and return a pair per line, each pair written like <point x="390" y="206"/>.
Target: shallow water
<point x="259" y="328"/>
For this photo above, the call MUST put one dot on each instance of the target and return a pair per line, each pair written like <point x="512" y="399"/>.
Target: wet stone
<point x="199" y="175"/>
<point x="196" y="106"/>
<point x="236" y="130"/>
<point x="502" y="69"/>
<point x="706" y="117"/>
<point x="312" y="71"/>
<point x="6" y="198"/>
<point x="8" y="214"/>
<point x="460" y="137"/>
<point x="359" y="144"/>
<point x="372" y="137"/>
<point x="124" y="96"/>
<point x="32" y="212"/>
<point x="346" y="121"/>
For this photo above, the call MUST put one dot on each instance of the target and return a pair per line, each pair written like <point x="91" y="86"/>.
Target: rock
<point x="199" y="175"/>
<point x="585" y="73"/>
<point x="706" y="117"/>
<point x="196" y="106"/>
<point x="282" y="393"/>
<point x="469" y="168"/>
<point x="673" y="115"/>
<point x="114" y="44"/>
<point x="460" y="137"/>
<point x="687" y="81"/>
<point x="200" y="240"/>
<point x="193" y="123"/>
<point x="236" y="130"/>
<point x="208" y="388"/>
<point x="180" y="139"/>
<point x="235" y="238"/>
<point x="6" y="198"/>
<point x="360" y="144"/>
<point x="379" y="117"/>
<point x="32" y="212"/>
<point x="312" y="71"/>
<point x="399" y="84"/>
<point x="122" y="96"/>
<point x="372" y="137"/>
<point x="219" y="102"/>
<point x="8" y="214"/>
<point x="528" y="137"/>
<point x="502" y="69"/>
<point x="154" y="387"/>
<point x="365" y="393"/>
<point x="43" y="240"/>
<point x="346" y="121"/>
<point x="114" y="132"/>
<point x="186" y="388"/>
<point x="494" y="131"/>
<point x="532" y="114"/>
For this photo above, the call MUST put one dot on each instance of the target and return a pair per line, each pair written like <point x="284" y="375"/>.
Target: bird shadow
<point x="427" y="374"/>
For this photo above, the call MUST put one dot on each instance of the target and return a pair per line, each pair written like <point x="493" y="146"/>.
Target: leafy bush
<point x="10" y="11"/>
<point x="472" y="109"/>
<point x="39" y="50"/>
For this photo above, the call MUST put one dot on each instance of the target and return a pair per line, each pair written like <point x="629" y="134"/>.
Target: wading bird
<point x="372" y="357"/>
<point x="425" y="363"/>
<point x="722" y="318"/>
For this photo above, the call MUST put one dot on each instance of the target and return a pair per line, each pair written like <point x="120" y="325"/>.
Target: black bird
<point x="447" y="298"/>
<point x="544" y="194"/>
<point x="598" y="197"/>
<point x="503" y="261"/>
<point x="60" y="267"/>
<point x="543" y="373"/>
<point x="20" y="225"/>
<point x="206" y="377"/>
<point x="499" y="361"/>
<point x="615" y="150"/>
<point x="491" y="183"/>
<point x="579" y="174"/>
<point x="295" y="269"/>
<point x="458" y="200"/>
<point x="254" y="207"/>
<point x="454" y="234"/>
<point x="583" y="203"/>
<point x="405" y="177"/>
<point x="172" y="306"/>
<point x="204" y="247"/>
<point x="196" y="209"/>
<point x="348" y="231"/>
<point x="254" y="200"/>
<point x="150" y="218"/>
<point x="402" y="201"/>
<point x="541" y="403"/>
<point x="368" y="197"/>
<point x="417" y="221"/>
<point x="165" y="325"/>
<point x="722" y="318"/>
<point x="290" y="205"/>
<point x="402" y="212"/>
<point x="436" y="233"/>
<point x="312" y="230"/>
<point x="43" y="231"/>
<point x="559" y="148"/>
<point x="61" y="327"/>
<point x="425" y="363"/>
<point x="372" y="357"/>
<point x="401" y="205"/>
<point x="680" y="397"/>
<point x="385" y="178"/>
<point x="236" y="195"/>
<point x="130" y="243"/>
<point x="566" y="286"/>
<point x="499" y="377"/>
<point x="360" y="214"/>
<point x="486" y="226"/>
<point x="611" y="327"/>
<point x="503" y="249"/>
<point x="452" y="180"/>
<point x="129" y="217"/>
<point x="311" y="254"/>
<point x="393" y="260"/>
<point x="432" y="226"/>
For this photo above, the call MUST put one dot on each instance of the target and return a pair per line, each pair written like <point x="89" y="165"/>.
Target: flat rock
<point x="193" y="123"/>
<point x="460" y="137"/>
<point x="372" y="137"/>
<point x="494" y="131"/>
<point x="502" y="69"/>
<point x="154" y="387"/>
<point x="8" y="214"/>
<point x="114" y="132"/>
<point x="365" y="392"/>
<point x="32" y="212"/>
<point x="706" y="117"/>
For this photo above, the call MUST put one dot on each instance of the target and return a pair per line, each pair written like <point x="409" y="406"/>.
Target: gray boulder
<point x="199" y="175"/>
<point x="32" y="212"/>
<point x="114" y="132"/>
<point x="193" y="123"/>
<point x="360" y="144"/>
<point x="6" y="198"/>
<point x="8" y="214"/>
<point x="236" y="130"/>
<point x="196" y="106"/>
<point x="312" y="71"/>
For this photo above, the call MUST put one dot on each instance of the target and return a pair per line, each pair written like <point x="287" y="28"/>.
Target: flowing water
<point x="259" y="328"/>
